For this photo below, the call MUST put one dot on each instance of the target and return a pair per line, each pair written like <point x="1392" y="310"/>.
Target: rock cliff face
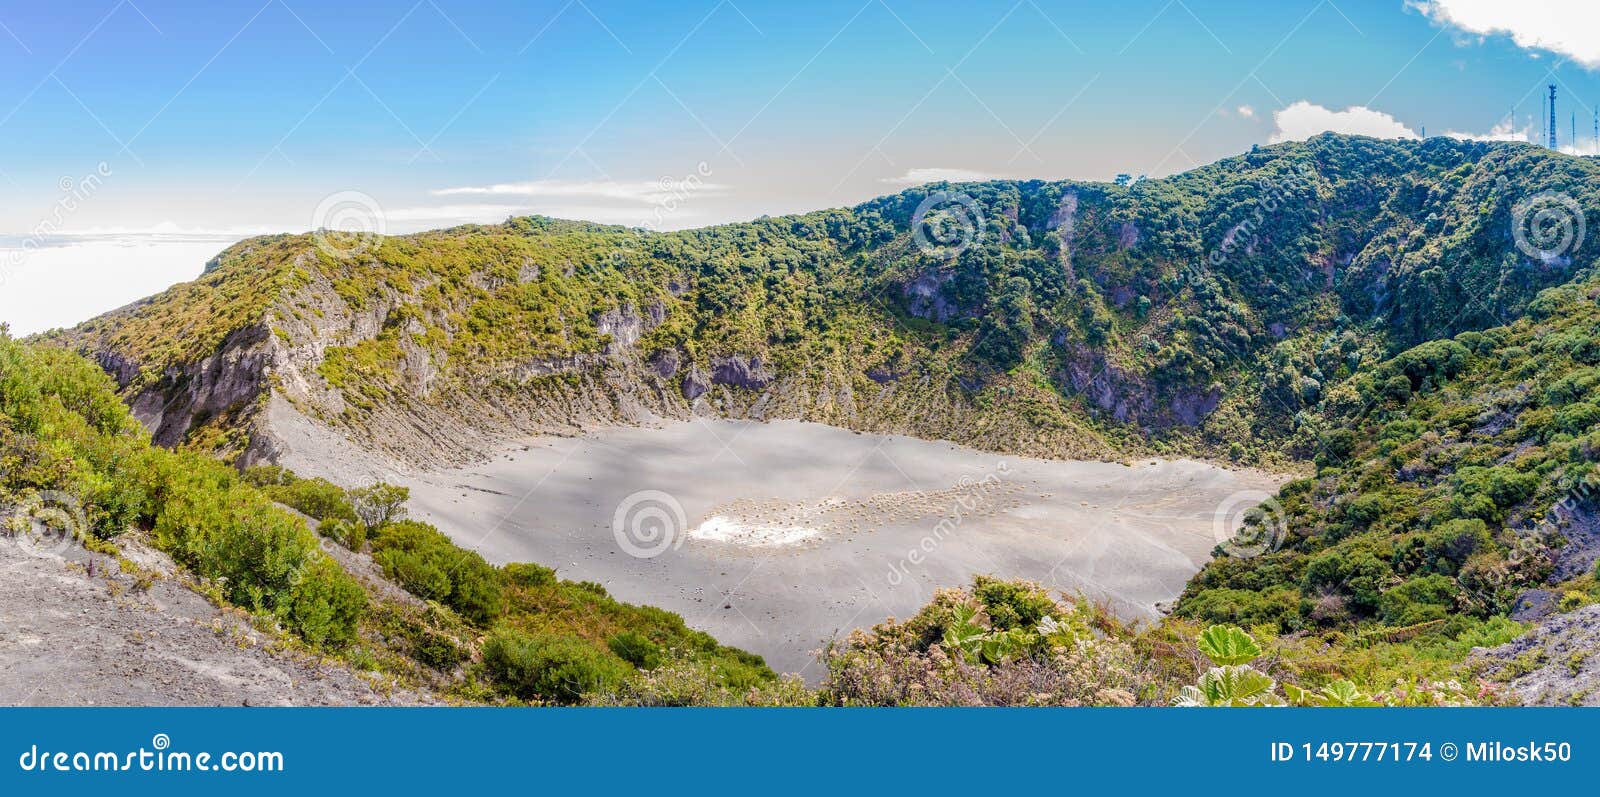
<point x="222" y="389"/>
<point x="265" y="392"/>
<point x="1173" y="314"/>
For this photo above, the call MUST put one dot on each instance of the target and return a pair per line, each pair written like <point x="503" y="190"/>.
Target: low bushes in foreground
<point x="1001" y="643"/>
<point x="1009" y="643"/>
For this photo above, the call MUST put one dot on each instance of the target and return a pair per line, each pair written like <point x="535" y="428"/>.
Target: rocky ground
<point x="84" y="629"/>
<point x="1556" y="664"/>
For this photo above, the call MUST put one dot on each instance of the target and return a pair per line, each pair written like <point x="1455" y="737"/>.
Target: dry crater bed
<point x="777" y="536"/>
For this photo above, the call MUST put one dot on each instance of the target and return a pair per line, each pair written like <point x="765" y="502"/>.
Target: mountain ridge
<point x="1063" y="319"/>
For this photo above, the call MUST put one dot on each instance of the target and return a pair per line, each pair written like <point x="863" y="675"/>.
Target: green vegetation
<point x="1217" y="312"/>
<point x="64" y="436"/>
<point x="1357" y="311"/>
<point x="1435" y="501"/>
<point x="971" y="647"/>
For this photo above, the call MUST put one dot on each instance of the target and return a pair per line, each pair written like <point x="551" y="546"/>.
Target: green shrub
<point x="430" y="566"/>
<point x="1430" y="363"/>
<point x="436" y="649"/>
<point x="419" y="572"/>
<point x="1577" y="418"/>
<point x="1500" y="487"/>
<point x="1572" y="600"/>
<point x="349" y="533"/>
<point x="325" y="604"/>
<point x="1575" y="386"/>
<point x="1444" y="549"/>
<point x="1278" y="607"/>
<point x="379" y="504"/>
<point x="319" y="498"/>
<point x="1397" y="388"/>
<point x="1355" y="573"/>
<point x="1365" y="510"/>
<point x="1418" y="600"/>
<point x="528" y="574"/>
<point x="636" y="649"/>
<point x="476" y="591"/>
<point x="226" y="533"/>
<point x="268" y="476"/>
<point x="1012" y="604"/>
<point x="549" y="668"/>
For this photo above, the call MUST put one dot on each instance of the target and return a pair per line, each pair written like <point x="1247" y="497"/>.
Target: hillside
<point x="1202" y="314"/>
<point x="1455" y="480"/>
<point x="1412" y="324"/>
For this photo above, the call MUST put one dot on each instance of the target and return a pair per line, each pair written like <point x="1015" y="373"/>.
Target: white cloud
<point x="1247" y="112"/>
<point x="402" y="220"/>
<point x="640" y="191"/>
<point x="662" y="204"/>
<point x="1304" y="119"/>
<point x="939" y="175"/>
<point x="61" y="285"/>
<point x="1505" y="130"/>
<point x="1585" y="145"/>
<point x="1566" y="27"/>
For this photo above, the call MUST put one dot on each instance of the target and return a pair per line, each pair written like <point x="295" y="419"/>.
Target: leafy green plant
<point x="636" y="649"/>
<point x="319" y="498"/>
<point x="1228" y="645"/>
<point x="348" y="533"/>
<point x="548" y="668"/>
<point x="1339" y="694"/>
<point x="1230" y="681"/>
<point x="1231" y="685"/>
<point x="969" y="633"/>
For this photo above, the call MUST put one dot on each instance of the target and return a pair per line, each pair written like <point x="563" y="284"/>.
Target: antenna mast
<point x="1552" y="143"/>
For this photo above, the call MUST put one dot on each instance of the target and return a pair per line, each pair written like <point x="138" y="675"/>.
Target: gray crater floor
<point x="792" y="533"/>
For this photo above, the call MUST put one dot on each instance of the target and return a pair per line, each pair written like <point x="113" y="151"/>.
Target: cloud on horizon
<point x="1504" y="130"/>
<point x="640" y="191"/>
<point x="1304" y="119"/>
<point x="939" y="175"/>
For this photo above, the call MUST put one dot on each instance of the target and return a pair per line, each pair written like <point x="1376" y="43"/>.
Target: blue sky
<point x="201" y="122"/>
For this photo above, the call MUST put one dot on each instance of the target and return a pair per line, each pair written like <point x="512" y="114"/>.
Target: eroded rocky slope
<point x="1211" y="313"/>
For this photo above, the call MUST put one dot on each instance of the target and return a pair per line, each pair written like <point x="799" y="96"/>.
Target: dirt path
<point x="75" y="630"/>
